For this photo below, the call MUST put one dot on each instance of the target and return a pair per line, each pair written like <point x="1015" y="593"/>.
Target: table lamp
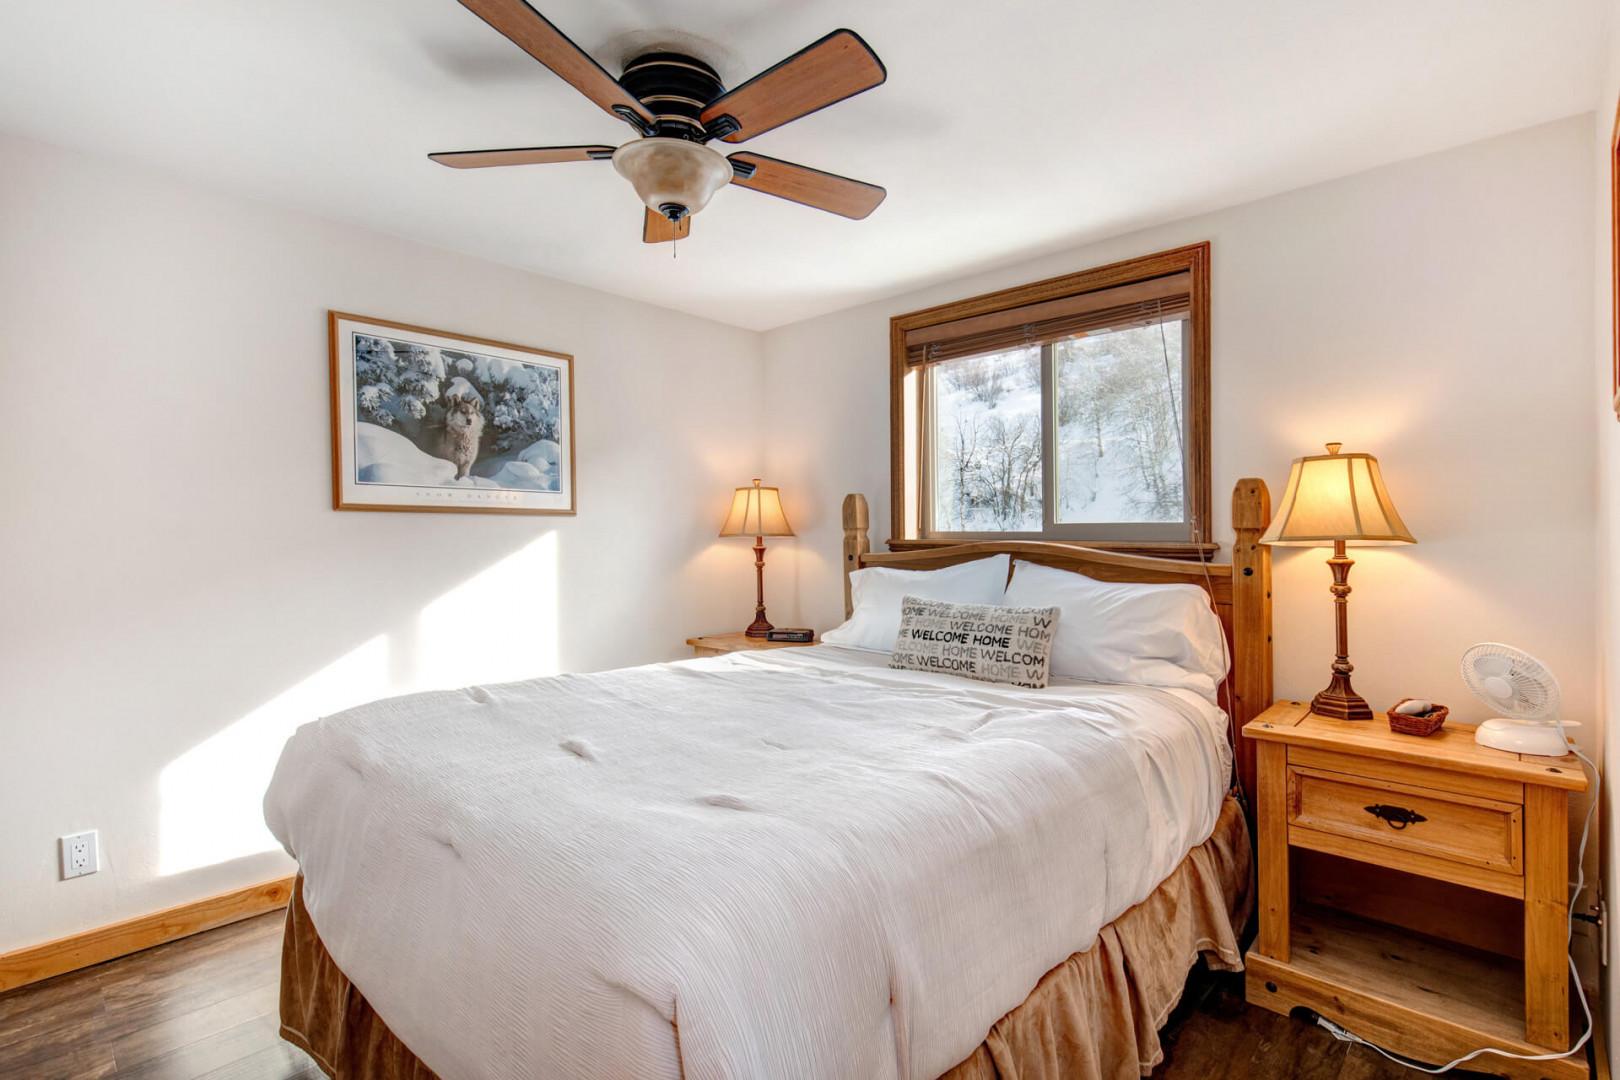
<point x="1337" y="499"/>
<point x="757" y="511"/>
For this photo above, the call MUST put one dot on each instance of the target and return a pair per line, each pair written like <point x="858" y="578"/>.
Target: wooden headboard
<point x="1240" y="590"/>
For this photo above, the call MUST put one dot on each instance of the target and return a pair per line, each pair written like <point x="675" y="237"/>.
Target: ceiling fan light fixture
<point x="672" y="170"/>
<point x="674" y="177"/>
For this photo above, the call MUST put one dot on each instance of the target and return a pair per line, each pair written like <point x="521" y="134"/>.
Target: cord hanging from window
<point x="1181" y="441"/>
<point x="1203" y="558"/>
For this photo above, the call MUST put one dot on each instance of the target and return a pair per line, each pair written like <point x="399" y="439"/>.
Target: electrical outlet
<point x="81" y="854"/>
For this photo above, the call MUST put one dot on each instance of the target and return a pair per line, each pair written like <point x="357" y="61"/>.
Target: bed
<point x="789" y="863"/>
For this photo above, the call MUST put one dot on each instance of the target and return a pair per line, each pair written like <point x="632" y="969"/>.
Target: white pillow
<point x="878" y="590"/>
<point x="1126" y="632"/>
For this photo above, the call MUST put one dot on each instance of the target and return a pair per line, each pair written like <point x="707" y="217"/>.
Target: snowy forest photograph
<point x="470" y="426"/>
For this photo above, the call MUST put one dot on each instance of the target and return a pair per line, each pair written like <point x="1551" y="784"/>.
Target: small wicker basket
<point x="1422" y="724"/>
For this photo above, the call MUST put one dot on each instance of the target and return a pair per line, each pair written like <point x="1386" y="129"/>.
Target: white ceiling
<point x="1004" y="130"/>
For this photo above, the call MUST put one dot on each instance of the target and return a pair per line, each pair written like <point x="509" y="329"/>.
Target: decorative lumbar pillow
<point x="976" y="641"/>
<point x="878" y="590"/>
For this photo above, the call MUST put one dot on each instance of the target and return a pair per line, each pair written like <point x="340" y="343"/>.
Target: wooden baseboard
<point x="75" y="951"/>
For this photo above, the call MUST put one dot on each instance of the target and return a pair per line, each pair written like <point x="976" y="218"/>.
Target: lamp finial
<point x="1334" y="447"/>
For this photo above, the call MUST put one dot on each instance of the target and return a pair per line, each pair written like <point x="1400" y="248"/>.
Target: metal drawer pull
<point x="1396" y="817"/>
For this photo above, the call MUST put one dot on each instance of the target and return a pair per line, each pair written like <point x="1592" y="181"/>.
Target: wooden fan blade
<point x="534" y="34"/>
<point x="657" y="228"/>
<point x="838" y="66"/>
<point x="528" y="155"/>
<point x="811" y="187"/>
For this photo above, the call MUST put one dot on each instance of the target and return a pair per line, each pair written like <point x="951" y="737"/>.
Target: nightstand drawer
<point x="1446" y="825"/>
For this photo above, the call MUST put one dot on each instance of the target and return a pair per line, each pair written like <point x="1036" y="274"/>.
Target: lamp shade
<point x="1332" y="497"/>
<point x="674" y="177"/>
<point x="756" y="511"/>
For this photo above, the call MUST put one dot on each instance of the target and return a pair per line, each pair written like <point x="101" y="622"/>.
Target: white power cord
<point x="1344" y="1035"/>
<point x="1203" y="564"/>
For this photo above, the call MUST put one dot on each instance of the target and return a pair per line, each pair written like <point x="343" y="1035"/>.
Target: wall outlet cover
<point x="81" y="854"/>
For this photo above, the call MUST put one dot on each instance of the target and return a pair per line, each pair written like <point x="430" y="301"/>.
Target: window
<point x="1073" y="409"/>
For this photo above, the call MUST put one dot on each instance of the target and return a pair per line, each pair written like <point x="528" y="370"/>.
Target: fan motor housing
<point x="675" y="88"/>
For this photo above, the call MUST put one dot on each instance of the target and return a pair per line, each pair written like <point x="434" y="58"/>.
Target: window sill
<point x="1184" y="550"/>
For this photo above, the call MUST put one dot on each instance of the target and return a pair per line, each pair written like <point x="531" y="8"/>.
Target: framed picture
<point x="1614" y="255"/>
<point x="429" y="420"/>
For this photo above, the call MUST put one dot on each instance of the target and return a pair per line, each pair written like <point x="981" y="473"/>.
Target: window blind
<point x="1139" y="303"/>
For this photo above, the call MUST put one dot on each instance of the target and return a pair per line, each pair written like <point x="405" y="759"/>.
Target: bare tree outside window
<point x="1119" y="413"/>
<point x="1116" y="444"/>
<point x="987" y="438"/>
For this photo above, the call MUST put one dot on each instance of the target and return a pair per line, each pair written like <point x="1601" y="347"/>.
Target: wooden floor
<point x="1214" y="1035"/>
<point x="201" y="1007"/>
<point x="206" y="1007"/>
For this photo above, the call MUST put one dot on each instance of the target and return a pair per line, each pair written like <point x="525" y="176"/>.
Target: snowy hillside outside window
<point x="1108" y="453"/>
<point x="1119" y="419"/>
<point x="987" y="443"/>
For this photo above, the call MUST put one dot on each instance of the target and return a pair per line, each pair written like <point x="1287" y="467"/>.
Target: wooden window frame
<point x="907" y="407"/>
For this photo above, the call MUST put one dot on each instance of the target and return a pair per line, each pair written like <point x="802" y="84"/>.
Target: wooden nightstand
<point x="1373" y="847"/>
<point x="716" y="644"/>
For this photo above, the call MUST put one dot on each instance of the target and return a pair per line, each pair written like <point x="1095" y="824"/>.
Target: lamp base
<point x="1338" y="700"/>
<point x="761" y="625"/>
<point x="1341" y="703"/>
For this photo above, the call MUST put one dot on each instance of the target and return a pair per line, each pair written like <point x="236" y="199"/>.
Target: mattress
<point x="785" y="863"/>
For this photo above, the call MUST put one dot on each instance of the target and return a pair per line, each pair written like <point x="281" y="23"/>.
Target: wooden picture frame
<point x="1614" y="260"/>
<point x="439" y="422"/>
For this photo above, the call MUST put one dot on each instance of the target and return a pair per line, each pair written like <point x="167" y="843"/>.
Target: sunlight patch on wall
<point x="498" y="626"/>
<point x="212" y="795"/>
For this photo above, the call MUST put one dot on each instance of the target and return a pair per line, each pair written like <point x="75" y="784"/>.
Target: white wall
<point x="1436" y="312"/>
<point x="177" y="592"/>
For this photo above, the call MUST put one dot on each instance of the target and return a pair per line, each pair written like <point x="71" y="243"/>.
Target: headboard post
<point x="1251" y="616"/>
<point x="856" y="542"/>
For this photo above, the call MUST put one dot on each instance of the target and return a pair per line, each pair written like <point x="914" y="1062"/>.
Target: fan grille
<point x="1510" y="681"/>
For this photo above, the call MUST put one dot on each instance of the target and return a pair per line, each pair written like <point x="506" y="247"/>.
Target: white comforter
<point x="794" y="863"/>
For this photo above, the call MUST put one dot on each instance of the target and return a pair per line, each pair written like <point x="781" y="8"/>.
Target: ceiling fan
<point x="677" y="105"/>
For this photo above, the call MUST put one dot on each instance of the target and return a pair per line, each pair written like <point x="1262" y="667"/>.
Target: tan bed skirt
<point x="1095" y="1015"/>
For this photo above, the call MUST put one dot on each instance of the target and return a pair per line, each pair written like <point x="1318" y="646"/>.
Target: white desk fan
<point x="1520" y="687"/>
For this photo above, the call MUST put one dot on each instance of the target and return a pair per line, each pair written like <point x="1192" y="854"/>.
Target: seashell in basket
<point x="1417" y="716"/>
